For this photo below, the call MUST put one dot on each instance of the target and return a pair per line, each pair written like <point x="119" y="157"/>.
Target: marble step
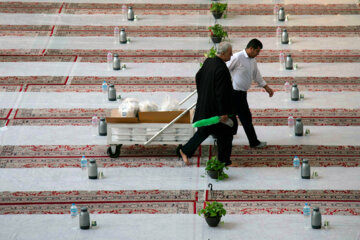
<point x="95" y="100"/>
<point x="172" y="49"/>
<point x="158" y="20"/>
<point x="179" y="7"/>
<point x="299" y="2"/>
<point x="191" y="178"/>
<point x="190" y="226"/>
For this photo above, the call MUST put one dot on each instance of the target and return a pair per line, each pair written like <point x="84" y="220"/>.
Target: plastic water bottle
<point x="278" y="35"/>
<point x="83" y="163"/>
<point x="306" y="210"/>
<point x="291" y="124"/>
<point x="287" y="89"/>
<point x="296" y="162"/>
<point x="116" y="34"/>
<point x="104" y="88"/>
<point x="276" y="9"/>
<point x="73" y="210"/>
<point x="94" y="124"/>
<point x="109" y="59"/>
<point x="282" y="60"/>
<point x="124" y="12"/>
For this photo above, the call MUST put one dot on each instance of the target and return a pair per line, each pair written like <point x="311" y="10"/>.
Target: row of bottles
<point x="283" y="36"/>
<point x="113" y="62"/>
<point x="84" y="218"/>
<point x="109" y="93"/>
<point x="315" y="216"/>
<point x="99" y="126"/>
<point x="288" y="61"/>
<point x="120" y="35"/>
<point x="91" y="166"/>
<point x="305" y="167"/>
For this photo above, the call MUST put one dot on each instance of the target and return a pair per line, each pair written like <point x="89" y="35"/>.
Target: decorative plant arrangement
<point x="217" y="9"/>
<point x="210" y="54"/>
<point x="217" y="33"/>
<point x="213" y="213"/>
<point x="215" y="169"/>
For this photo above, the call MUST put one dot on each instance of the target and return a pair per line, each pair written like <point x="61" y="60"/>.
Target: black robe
<point x="214" y="90"/>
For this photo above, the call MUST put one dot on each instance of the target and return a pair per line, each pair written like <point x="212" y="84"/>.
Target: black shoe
<point x="228" y="163"/>
<point x="178" y="150"/>
<point x="260" y="145"/>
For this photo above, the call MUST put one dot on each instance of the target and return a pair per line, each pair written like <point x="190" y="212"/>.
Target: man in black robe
<point x="215" y="98"/>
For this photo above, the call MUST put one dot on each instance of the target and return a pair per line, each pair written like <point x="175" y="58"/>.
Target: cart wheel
<point x="114" y="153"/>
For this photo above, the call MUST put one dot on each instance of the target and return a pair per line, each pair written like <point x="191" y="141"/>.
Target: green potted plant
<point x="215" y="169"/>
<point x="210" y="54"/>
<point x="217" y="33"/>
<point x="217" y="9"/>
<point x="213" y="213"/>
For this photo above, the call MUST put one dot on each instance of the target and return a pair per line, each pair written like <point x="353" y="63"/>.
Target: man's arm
<point x="269" y="90"/>
<point x="261" y="82"/>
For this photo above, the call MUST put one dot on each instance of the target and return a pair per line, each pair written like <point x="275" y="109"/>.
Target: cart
<point x="149" y="128"/>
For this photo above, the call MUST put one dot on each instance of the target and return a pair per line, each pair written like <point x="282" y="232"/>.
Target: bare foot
<point x="185" y="158"/>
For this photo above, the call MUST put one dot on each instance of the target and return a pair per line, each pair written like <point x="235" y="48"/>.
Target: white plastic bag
<point x="147" y="106"/>
<point x="129" y="107"/>
<point x="170" y="104"/>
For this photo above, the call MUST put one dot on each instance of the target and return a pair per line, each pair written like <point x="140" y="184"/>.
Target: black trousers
<point x="244" y="114"/>
<point x="224" y="135"/>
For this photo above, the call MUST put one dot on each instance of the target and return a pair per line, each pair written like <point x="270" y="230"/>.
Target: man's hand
<point x="269" y="90"/>
<point x="223" y="118"/>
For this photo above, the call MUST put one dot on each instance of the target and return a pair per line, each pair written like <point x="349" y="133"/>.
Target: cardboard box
<point x="163" y="117"/>
<point x="115" y="117"/>
<point x="149" y="117"/>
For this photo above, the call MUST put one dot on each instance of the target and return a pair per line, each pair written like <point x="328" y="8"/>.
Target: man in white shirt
<point x="243" y="69"/>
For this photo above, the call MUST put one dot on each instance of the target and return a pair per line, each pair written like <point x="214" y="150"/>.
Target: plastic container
<point x="73" y="210"/>
<point x="83" y="163"/>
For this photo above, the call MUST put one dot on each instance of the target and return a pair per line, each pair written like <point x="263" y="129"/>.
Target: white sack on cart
<point x="129" y="107"/>
<point x="147" y="106"/>
<point x="170" y="104"/>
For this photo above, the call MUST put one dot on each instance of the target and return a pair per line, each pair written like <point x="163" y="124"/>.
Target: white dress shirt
<point x="243" y="70"/>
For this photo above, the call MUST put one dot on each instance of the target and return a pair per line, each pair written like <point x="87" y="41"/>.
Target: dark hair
<point x="254" y="43"/>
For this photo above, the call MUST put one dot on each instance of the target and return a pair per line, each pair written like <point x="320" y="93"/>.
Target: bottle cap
<point x="102" y="119"/>
<point x="298" y="119"/>
<point x="84" y="209"/>
<point x="306" y="204"/>
<point x="112" y="85"/>
<point x="130" y="7"/>
<point x="281" y="8"/>
<point x="116" y="55"/>
<point x="92" y="161"/>
<point x="73" y="204"/>
<point x="305" y="160"/>
<point x="289" y="55"/>
<point x="316" y="209"/>
<point x="123" y="29"/>
<point x="83" y="156"/>
<point x="294" y="85"/>
<point x="284" y="30"/>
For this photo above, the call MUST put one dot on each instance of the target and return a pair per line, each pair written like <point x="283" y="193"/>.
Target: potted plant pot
<point x="216" y="39"/>
<point x="215" y="169"/>
<point x="217" y="15"/>
<point x="213" y="174"/>
<point x="212" y="221"/>
<point x="213" y="213"/>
